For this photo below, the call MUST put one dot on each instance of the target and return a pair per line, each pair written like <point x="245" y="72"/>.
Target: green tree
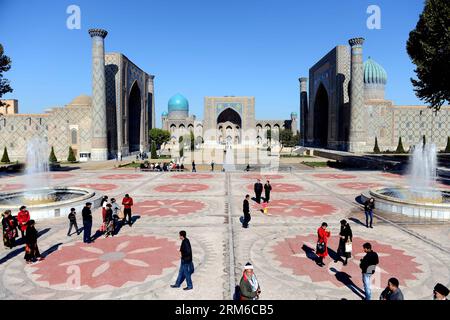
<point x="400" y="148"/>
<point x="5" y="65"/>
<point x="269" y="136"/>
<point x="424" y="141"/>
<point x="376" y="148"/>
<point x="5" y="157"/>
<point x="159" y="136"/>
<point x="429" y="49"/>
<point x="154" y="155"/>
<point x="447" y="148"/>
<point x="192" y="138"/>
<point x="71" y="157"/>
<point x="52" y="158"/>
<point x="181" y="151"/>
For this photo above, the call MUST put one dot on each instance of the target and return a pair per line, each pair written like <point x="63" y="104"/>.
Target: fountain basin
<point x="395" y="200"/>
<point x="45" y="203"/>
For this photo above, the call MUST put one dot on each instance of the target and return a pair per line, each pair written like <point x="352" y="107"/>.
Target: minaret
<point x="303" y="109"/>
<point x="99" y="148"/>
<point x="357" y="133"/>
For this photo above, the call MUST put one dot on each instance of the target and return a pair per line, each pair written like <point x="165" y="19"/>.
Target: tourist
<point x="368" y="265"/>
<point x="440" y="292"/>
<point x="212" y="165"/>
<point x="267" y="190"/>
<point x="72" y="221"/>
<point x="117" y="212"/>
<point x="246" y="211"/>
<point x="249" y="286"/>
<point x="9" y="225"/>
<point x="258" y="188"/>
<point x="22" y="218"/>
<point x="127" y="203"/>
<point x="186" y="266"/>
<point x="321" y="249"/>
<point x="181" y="167"/>
<point x="193" y="166"/>
<point x="392" y="291"/>
<point x="369" y="205"/>
<point x="109" y="222"/>
<point x="31" y="248"/>
<point x="247" y="168"/>
<point x="103" y="204"/>
<point x="87" y="222"/>
<point x="345" y="240"/>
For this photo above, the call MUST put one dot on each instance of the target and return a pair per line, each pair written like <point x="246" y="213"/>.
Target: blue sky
<point x="201" y="48"/>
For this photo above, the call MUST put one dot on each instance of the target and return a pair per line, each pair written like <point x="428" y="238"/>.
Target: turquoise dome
<point x="374" y="73"/>
<point x="164" y="114"/>
<point x="293" y="114"/>
<point x="178" y="103"/>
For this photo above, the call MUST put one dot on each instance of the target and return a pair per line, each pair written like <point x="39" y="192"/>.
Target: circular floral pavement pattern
<point x="298" y="208"/>
<point x="108" y="262"/>
<point x="121" y="176"/>
<point x="262" y="177"/>
<point x="12" y="186"/>
<point x="99" y="186"/>
<point x="391" y="175"/>
<point x="281" y="187"/>
<point x="336" y="176"/>
<point x="168" y="207"/>
<point x="297" y="254"/>
<point x="182" y="187"/>
<point x="359" y="185"/>
<point x="195" y="176"/>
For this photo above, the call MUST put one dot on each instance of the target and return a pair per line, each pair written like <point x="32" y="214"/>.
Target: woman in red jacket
<point x="22" y="219"/>
<point x="321" y="249"/>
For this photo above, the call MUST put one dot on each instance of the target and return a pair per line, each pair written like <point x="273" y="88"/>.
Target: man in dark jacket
<point x="87" y="222"/>
<point x="369" y="205"/>
<point x="267" y="190"/>
<point x="258" y="187"/>
<point x="345" y="236"/>
<point x="392" y="291"/>
<point x="72" y="221"/>
<point x="246" y="210"/>
<point x="186" y="266"/>
<point x="367" y="265"/>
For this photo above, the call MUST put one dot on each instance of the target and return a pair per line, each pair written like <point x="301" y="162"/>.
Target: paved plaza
<point x="143" y="260"/>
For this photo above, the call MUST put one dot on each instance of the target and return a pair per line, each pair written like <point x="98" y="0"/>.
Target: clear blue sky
<point x="201" y="47"/>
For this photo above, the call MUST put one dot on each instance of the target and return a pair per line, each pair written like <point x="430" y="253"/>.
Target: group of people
<point x="258" y="189"/>
<point x="142" y="156"/>
<point x="171" y="166"/>
<point x="21" y="222"/>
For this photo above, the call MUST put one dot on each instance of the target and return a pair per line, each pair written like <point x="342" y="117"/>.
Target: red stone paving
<point x="359" y="185"/>
<point x="391" y="175"/>
<point x="12" y="186"/>
<point x="197" y="176"/>
<point x="99" y="186"/>
<point x="298" y="208"/>
<point x="60" y="175"/>
<point x="168" y="207"/>
<point x="182" y="187"/>
<point x="290" y="254"/>
<point x="121" y="176"/>
<point x="112" y="261"/>
<point x="263" y="177"/>
<point x="334" y="176"/>
<point x="281" y="187"/>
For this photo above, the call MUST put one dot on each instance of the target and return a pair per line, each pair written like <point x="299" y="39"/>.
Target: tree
<point x="181" y="151"/>
<point x="269" y="136"/>
<point x="376" y="148"/>
<point x="192" y="138"/>
<point x="286" y="138"/>
<point x="154" y="155"/>
<point x="400" y="148"/>
<point x="429" y="49"/>
<point x="52" y="158"/>
<point x="424" y="141"/>
<point x="71" y="157"/>
<point x="447" y="148"/>
<point x="5" y="157"/>
<point x="5" y="65"/>
<point x="159" y="136"/>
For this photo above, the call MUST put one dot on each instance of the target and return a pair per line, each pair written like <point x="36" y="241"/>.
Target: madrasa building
<point x="343" y="107"/>
<point x="113" y="122"/>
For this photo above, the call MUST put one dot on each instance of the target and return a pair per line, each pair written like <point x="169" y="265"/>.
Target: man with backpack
<point x="72" y="221"/>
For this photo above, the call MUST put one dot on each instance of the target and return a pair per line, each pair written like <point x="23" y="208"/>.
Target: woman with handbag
<point x="345" y="242"/>
<point x="9" y="229"/>
<point x="321" y="249"/>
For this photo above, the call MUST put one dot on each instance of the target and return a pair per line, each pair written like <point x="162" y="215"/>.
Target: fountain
<point x="41" y="200"/>
<point x="420" y="198"/>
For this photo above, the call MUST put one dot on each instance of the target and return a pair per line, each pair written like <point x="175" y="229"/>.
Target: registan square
<point x="141" y="119"/>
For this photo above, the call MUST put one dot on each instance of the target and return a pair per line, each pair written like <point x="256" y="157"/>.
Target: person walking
<point x="212" y="165"/>
<point x="117" y="212"/>
<point x="368" y="266"/>
<point x="440" y="292"/>
<point x="246" y="211"/>
<point x="267" y="190"/>
<point x="72" y="221"/>
<point x="127" y="203"/>
<point x="258" y="188"/>
<point x="193" y="166"/>
<point x="31" y="248"/>
<point x="87" y="222"/>
<point x="9" y="225"/>
<point x="321" y="249"/>
<point x="186" y="266"/>
<point x="369" y="205"/>
<point x="249" y="285"/>
<point x="22" y="218"/>
<point x="345" y="240"/>
<point x="109" y="223"/>
<point x="392" y="291"/>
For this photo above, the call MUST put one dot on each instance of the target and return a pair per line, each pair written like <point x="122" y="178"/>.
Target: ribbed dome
<point x="178" y="103"/>
<point x="164" y="114"/>
<point x="374" y="73"/>
<point x="293" y="114"/>
<point x="81" y="100"/>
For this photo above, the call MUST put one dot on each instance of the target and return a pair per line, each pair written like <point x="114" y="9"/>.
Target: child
<point x="72" y="221"/>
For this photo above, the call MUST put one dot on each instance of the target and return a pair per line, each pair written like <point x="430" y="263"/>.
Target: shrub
<point x="376" y="149"/>
<point x="400" y="148"/>
<point x="71" y="157"/>
<point x="5" y="157"/>
<point x="52" y="158"/>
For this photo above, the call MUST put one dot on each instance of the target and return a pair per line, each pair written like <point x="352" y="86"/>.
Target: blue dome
<point x="164" y="114"/>
<point x="293" y="114"/>
<point x="178" y="103"/>
<point x="374" y="73"/>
